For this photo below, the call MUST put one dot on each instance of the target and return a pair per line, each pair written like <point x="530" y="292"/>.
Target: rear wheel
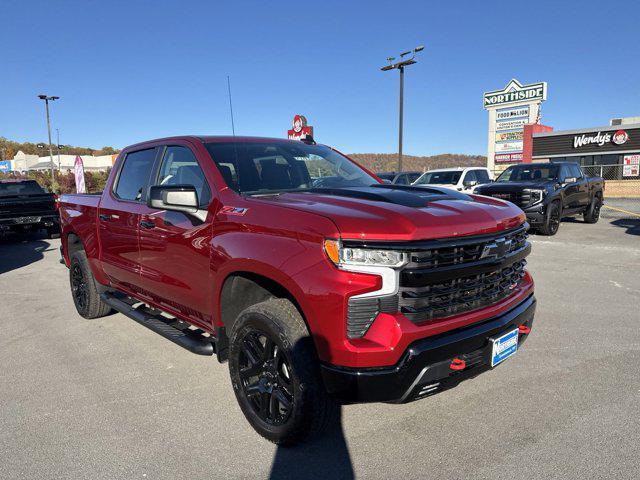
<point x="592" y="215"/>
<point x="84" y="289"/>
<point x="552" y="219"/>
<point x="275" y="374"/>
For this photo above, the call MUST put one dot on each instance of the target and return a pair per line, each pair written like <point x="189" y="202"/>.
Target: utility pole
<point x="58" y="133"/>
<point x="400" y="66"/>
<point x="46" y="102"/>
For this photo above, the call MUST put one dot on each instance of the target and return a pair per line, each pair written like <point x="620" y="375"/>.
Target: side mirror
<point x="470" y="183"/>
<point x="570" y="180"/>
<point x="177" y="198"/>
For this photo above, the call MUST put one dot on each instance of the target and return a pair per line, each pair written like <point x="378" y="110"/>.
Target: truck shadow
<point x="20" y="251"/>
<point x="326" y="458"/>
<point x="632" y="225"/>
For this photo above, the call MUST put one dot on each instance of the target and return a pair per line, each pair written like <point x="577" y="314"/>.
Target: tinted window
<point x="20" y="188"/>
<point x="440" y="178"/>
<point x="413" y="177"/>
<point x="575" y="171"/>
<point x="534" y="173"/>
<point x="134" y="175"/>
<point x="482" y="176"/>
<point x="272" y="167"/>
<point x="386" y="176"/>
<point x="470" y="177"/>
<point x="180" y="167"/>
<point x="401" y="180"/>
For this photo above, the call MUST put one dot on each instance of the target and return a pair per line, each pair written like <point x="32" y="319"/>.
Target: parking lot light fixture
<point x="46" y="102"/>
<point x="404" y="62"/>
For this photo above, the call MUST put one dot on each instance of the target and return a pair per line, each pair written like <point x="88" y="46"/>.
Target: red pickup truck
<point x="319" y="284"/>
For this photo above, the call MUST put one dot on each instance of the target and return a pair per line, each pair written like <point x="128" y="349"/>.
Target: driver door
<point x="175" y="246"/>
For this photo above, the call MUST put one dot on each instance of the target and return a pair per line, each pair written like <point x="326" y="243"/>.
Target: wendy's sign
<point x="300" y="129"/>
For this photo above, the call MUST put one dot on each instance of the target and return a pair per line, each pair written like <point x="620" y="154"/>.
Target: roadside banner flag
<point x="78" y="170"/>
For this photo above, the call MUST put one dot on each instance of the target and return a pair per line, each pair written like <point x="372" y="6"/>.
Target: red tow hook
<point x="524" y="330"/>
<point x="458" y="364"/>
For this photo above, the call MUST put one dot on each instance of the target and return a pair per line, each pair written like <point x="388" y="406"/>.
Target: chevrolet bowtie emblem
<point x="496" y="249"/>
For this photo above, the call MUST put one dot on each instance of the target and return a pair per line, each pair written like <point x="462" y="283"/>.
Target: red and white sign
<point x="508" y="157"/>
<point x="631" y="167"/>
<point x="620" y="137"/>
<point x="78" y="171"/>
<point x="300" y="129"/>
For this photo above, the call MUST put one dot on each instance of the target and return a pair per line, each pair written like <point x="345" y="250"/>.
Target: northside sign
<point x="515" y="92"/>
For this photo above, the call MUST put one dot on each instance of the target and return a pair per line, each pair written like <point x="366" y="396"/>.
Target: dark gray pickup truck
<point x="547" y="192"/>
<point x="26" y="206"/>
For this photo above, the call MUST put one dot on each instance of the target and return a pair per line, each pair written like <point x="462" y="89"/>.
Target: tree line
<point x="9" y="148"/>
<point x="388" y="162"/>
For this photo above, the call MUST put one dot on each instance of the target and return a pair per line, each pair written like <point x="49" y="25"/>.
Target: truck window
<point x="265" y="168"/>
<point x="440" y="178"/>
<point x="574" y="171"/>
<point x="134" y="175"/>
<point x="180" y="167"/>
<point x="29" y="187"/>
<point x="482" y="176"/>
<point x="470" y="177"/>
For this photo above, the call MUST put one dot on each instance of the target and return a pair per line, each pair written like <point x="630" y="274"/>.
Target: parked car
<point x="463" y="179"/>
<point x="549" y="191"/>
<point x="399" y="178"/>
<point x="318" y="291"/>
<point x="25" y="206"/>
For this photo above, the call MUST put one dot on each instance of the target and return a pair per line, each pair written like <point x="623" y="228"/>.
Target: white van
<point x="463" y="179"/>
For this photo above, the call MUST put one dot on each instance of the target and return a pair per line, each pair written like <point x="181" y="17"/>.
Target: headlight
<point x="340" y="255"/>
<point x="536" y="196"/>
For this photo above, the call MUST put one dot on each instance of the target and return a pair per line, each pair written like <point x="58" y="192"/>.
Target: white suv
<point x="463" y="179"/>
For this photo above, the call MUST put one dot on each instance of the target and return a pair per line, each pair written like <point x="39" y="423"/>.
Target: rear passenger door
<point x="119" y="218"/>
<point x="582" y="196"/>
<point x="175" y="246"/>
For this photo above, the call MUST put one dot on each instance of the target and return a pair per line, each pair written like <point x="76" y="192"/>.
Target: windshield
<point x="20" y="188"/>
<point x="529" y="173"/>
<point x="266" y="168"/>
<point x="439" y="178"/>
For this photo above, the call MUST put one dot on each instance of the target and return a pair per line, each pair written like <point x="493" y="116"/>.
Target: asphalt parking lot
<point x="109" y="399"/>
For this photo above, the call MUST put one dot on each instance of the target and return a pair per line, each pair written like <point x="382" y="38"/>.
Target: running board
<point x="171" y="329"/>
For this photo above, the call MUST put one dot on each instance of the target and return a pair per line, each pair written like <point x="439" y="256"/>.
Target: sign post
<point x="510" y="109"/>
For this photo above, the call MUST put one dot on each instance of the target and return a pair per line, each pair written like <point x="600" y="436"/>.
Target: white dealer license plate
<point x="504" y="347"/>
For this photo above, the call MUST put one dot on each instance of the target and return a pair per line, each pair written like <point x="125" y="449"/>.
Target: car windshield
<point x="255" y="168"/>
<point x="439" y="178"/>
<point x="30" y="187"/>
<point x="529" y="173"/>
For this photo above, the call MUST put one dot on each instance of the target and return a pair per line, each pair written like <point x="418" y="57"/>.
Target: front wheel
<point x="275" y="374"/>
<point x="552" y="219"/>
<point x="592" y="215"/>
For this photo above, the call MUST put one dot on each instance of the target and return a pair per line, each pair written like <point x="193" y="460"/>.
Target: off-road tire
<point x="85" y="296"/>
<point x="312" y="411"/>
<point x="592" y="214"/>
<point x="552" y="219"/>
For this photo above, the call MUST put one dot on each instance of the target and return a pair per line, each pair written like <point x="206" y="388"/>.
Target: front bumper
<point x="425" y="367"/>
<point x="536" y="214"/>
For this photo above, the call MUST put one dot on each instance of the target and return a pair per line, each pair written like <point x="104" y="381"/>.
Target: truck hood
<point x="389" y="212"/>
<point x="506" y="187"/>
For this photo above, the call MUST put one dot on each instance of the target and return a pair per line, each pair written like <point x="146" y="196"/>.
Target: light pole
<point x="46" y="102"/>
<point x="404" y="62"/>
<point x="58" y="133"/>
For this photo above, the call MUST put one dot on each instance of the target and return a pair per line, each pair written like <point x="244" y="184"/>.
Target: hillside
<point x="9" y="148"/>
<point x="387" y="162"/>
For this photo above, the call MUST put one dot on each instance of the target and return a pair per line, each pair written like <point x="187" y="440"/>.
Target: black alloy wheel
<point x="79" y="287"/>
<point x="552" y="220"/>
<point x="592" y="215"/>
<point x="265" y="373"/>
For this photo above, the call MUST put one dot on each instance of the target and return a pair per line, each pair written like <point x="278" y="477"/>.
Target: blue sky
<point x="127" y="71"/>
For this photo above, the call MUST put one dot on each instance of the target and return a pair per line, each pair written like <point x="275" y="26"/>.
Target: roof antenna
<point x="233" y="127"/>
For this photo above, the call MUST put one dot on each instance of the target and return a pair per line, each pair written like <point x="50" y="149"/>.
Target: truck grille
<point x="448" y="277"/>
<point x="521" y="199"/>
<point x="461" y="275"/>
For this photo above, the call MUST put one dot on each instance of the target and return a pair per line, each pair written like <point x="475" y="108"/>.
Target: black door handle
<point x="104" y="217"/>
<point x="145" y="224"/>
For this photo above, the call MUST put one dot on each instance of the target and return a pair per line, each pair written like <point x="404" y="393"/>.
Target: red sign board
<point x="300" y="129"/>
<point x="508" y="157"/>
